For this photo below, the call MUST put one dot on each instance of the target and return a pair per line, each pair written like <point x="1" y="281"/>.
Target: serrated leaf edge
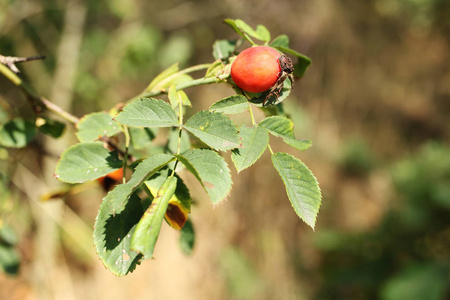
<point x="316" y="181"/>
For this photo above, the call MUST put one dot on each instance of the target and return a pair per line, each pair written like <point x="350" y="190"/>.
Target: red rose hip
<point x="256" y="69"/>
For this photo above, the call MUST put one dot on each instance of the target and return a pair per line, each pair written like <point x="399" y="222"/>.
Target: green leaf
<point x="293" y="52"/>
<point x="235" y="104"/>
<point x="301" y="67"/>
<point x="142" y="137"/>
<point x="142" y="172"/>
<point x="9" y="260"/>
<point x="176" y="79"/>
<point x="187" y="238"/>
<point x="17" y="133"/>
<point x="279" y="126"/>
<point x="219" y="70"/>
<point x="284" y="128"/>
<point x="301" y="186"/>
<point x="86" y="161"/>
<point x="185" y="143"/>
<point x="263" y="33"/>
<point x="214" y="129"/>
<point x="216" y="69"/>
<point x="236" y="28"/>
<point x="181" y="194"/>
<point x="148" y="112"/>
<point x="7" y="235"/>
<point x="156" y="82"/>
<point x="173" y="96"/>
<point x="170" y="76"/>
<point x="211" y="171"/>
<point x="177" y="97"/>
<point x="254" y="142"/>
<point x="114" y="226"/>
<point x="224" y="49"/>
<point x="147" y="230"/>
<point x="303" y="61"/>
<point x="50" y="127"/>
<point x="93" y="126"/>
<point x="119" y="213"/>
<point x="301" y="145"/>
<point x="280" y="41"/>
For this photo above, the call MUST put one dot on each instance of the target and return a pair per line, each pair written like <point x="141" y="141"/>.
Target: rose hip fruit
<point x="256" y="69"/>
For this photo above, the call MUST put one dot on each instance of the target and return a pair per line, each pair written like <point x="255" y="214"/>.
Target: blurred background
<point x="375" y="103"/>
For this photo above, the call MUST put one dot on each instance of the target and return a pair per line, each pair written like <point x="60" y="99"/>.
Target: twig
<point x="36" y="101"/>
<point x="110" y="145"/>
<point x="39" y="103"/>
<point x="10" y="61"/>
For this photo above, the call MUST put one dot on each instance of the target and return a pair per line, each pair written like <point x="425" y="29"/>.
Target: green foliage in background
<point x="407" y="255"/>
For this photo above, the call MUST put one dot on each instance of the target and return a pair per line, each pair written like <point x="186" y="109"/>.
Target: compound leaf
<point x="301" y="186"/>
<point x="148" y="112"/>
<point x="254" y="142"/>
<point x="211" y="170"/>
<point x="93" y="126"/>
<point x="86" y="161"/>
<point x="214" y="129"/>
